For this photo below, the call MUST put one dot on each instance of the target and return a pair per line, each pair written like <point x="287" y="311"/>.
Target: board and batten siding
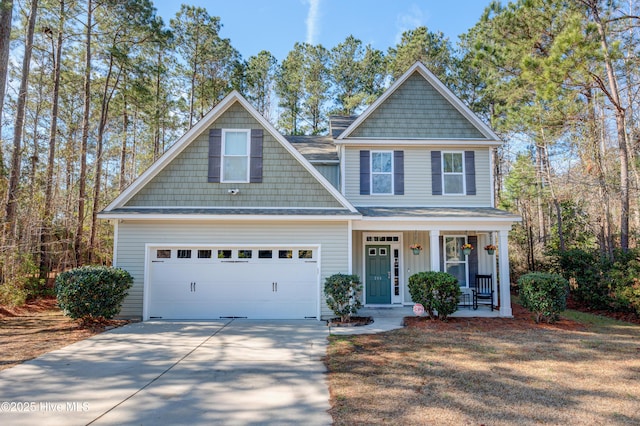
<point x="417" y="180"/>
<point x="332" y="237"/>
<point x="183" y="182"/>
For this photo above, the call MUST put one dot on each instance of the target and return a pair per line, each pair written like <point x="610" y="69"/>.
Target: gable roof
<point x="201" y="126"/>
<point x="453" y="100"/>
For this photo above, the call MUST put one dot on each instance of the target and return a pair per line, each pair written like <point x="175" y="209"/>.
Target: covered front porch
<point x="391" y="244"/>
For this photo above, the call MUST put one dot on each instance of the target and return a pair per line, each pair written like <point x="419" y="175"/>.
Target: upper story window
<point x="382" y="172"/>
<point x="235" y="155"/>
<point x="453" y="173"/>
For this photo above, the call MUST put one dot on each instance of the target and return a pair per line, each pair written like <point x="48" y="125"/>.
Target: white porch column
<point x="505" y="280"/>
<point x="434" y="249"/>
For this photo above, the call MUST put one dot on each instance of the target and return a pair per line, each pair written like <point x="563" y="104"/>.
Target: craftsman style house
<point x="237" y="220"/>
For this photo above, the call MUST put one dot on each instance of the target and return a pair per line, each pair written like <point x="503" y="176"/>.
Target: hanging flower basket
<point x="466" y="249"/>
<point x="416" y="251"/>
<point x="416" y="248"/>
<point x="491" y="249"/>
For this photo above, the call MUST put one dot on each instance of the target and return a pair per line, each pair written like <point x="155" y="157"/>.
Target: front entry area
<point x="378" y="274"/>
<point x="256" y="282"/>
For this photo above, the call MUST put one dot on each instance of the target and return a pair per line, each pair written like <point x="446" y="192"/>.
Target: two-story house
<point x="237" y="220"/>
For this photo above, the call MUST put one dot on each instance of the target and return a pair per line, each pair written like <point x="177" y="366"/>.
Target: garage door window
<point x="285" y="254"/>
<point x="305" y="254"/>
<point x="184" y="254"/>
<point x="265" y="254"/>
<point x="204" y="254"/>
<point x="163" y="254"/>
<point x="244" y="254"/>
<point x="224" y="254"/>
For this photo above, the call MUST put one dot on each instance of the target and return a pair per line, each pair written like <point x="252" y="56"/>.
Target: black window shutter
<point x="365" y="174"/>
<point x="436" y="173"/>
<point x="470" y="171"/>
<point x="473" y="260"/>
<point x="255" y="173"/>
<point x="215" y="149"/>
<point x="398" y="172"/>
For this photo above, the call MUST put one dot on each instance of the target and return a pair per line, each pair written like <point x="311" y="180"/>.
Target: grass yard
<point x="583" y="371"/>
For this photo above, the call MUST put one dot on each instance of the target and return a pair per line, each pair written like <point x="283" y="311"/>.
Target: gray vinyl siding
<point x="133" y="235"/>
<point x="183" y="182"/>
<point x="416" y="110"/>
<point x="417" y="180"/>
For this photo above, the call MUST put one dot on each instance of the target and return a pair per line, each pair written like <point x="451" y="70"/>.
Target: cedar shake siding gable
<point x="416" y="110"/>
<point x="277" y="179"/>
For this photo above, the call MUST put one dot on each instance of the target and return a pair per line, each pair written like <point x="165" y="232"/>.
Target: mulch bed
<point x="354" y="322"/>
<point x="522" y="320"/>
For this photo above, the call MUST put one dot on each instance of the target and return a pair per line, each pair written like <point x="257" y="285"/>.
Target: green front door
<point x="378" y="275"/>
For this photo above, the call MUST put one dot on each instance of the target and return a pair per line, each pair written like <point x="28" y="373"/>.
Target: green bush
<point x="21" y="280"/>
<point x="585" y="272"/>
<point x="624" y="278"/>
<point x="436" y="291"/>
<point x="92" y="291"/>
<point x="544" y="294"/>
<point x="343" y="295"/>
<point x="12" y="294"/>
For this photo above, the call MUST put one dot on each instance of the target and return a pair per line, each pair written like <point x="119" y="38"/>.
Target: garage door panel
<point x="186" y="288"/>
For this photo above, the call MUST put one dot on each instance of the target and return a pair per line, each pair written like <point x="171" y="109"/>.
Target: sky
<point x="276" y="25"/>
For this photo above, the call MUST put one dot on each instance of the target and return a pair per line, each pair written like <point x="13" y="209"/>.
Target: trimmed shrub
<point x="438" y="292"/>
<point x="544" y="294"/>
<point x="343" y="295"/>
<point x="92" y="291"/>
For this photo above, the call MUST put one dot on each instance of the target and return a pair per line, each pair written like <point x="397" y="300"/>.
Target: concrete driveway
<point x="227" y="372"/>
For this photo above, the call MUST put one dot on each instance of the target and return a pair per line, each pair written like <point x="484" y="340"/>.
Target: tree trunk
<point x="614" y="96"/>
<point x="6" y="13"/>
<point x="156" y="130"/>
<point x="123" y="151"/>
<point x="104" y="115"/>
<point x="84" y="140"/>
<point x="48" y="210"/>
<point x="16" y="156"/>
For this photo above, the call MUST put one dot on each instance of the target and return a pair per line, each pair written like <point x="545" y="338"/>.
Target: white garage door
<point x="245" y="282"/>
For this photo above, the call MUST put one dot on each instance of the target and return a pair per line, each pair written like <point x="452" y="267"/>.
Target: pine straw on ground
<point x="488" y="371"/>
<point x="39" y="327"/>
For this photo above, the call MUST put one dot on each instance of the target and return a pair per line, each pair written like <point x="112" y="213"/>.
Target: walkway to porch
<point x="391" y="318"/>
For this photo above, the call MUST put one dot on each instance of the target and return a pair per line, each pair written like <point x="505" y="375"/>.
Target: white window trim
<point x="466" y="258"/>
<point x="223" y="156"/>
<point x="464" y="180"/>
<point x="371" y="173"/>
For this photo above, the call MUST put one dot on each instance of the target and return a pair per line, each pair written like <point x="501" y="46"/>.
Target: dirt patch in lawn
<point x="39" y="327"/>
<point x="488" y="371"/>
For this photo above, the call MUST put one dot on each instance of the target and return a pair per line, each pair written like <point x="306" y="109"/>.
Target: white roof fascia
<point x="433" y="223"/>
<point x="439" y="86"/>
<point x="226" y="217"/>
<point x="203" y="124"/>
<point x="419" y="142"/>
